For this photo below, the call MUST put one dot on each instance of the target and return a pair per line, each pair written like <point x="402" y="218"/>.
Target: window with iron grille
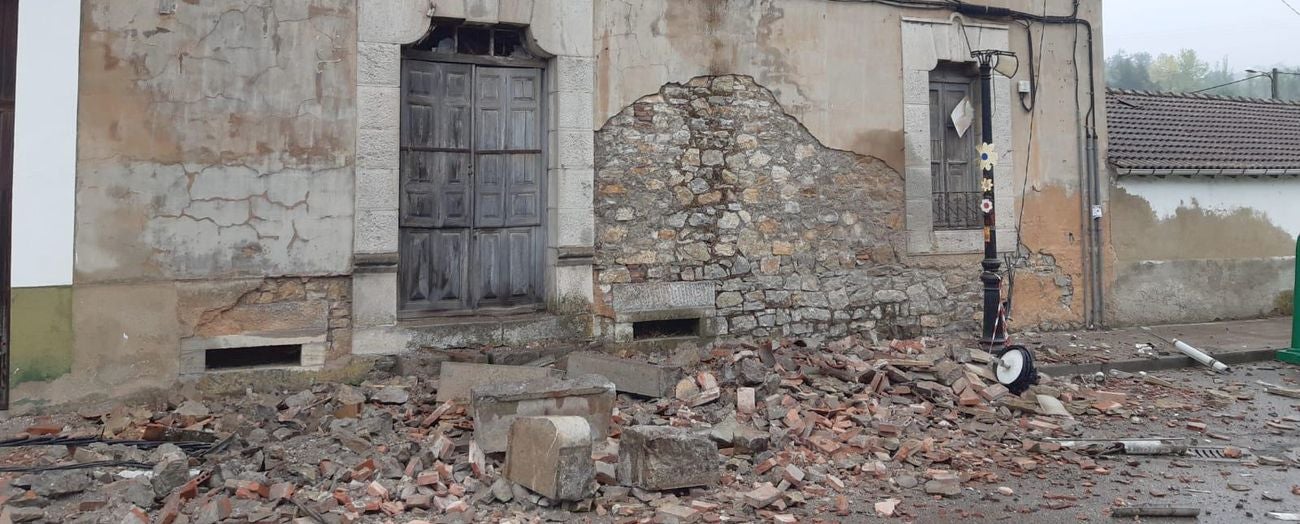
<point x="955" y="176"/>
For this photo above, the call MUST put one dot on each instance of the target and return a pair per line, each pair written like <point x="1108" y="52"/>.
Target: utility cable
<point x="1289" y="6"/>
<point x="1225" y="85"/>
<point x="80" y="465"/>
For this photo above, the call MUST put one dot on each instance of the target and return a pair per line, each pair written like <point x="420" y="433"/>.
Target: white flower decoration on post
<point x="986" y="184"/>
<point x="986" y="206"/>
<point x="988" y="156"/>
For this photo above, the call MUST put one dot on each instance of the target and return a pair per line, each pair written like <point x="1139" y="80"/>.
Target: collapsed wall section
<point x="711" y="181"/>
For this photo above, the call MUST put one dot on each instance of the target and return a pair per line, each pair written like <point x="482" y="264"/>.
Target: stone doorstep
<point x="484" y="330"/>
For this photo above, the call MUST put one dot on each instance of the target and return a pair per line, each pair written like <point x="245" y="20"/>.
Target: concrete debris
<point x="457" y="379"/>
<point x="662" y="457"/>
<point x="391" y="395"/>
<point x="779" y="431"/>
<point x="885" y="508"/>
<point x="628" y="376"/>
<point x="551" y="456"/>
<point x="763" y="495"/>
<point x="495" y="406"/>
<point x="676" y="514"/>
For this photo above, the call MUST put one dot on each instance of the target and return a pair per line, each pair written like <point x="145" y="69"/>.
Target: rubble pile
<point x="731" y="431"/>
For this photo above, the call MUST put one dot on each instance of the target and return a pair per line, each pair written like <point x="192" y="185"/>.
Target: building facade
<point x="1204" y="192"/>
<point x="293" y="183"/>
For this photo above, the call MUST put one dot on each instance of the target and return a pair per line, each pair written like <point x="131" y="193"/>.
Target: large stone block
<point x="496" y="406"/>
<point x="663" y="300"/>
<point x="629" y="376"/>
<point x="456" y="379"/>
<point x="664" y="457"/>
<point x="552" y="456"/>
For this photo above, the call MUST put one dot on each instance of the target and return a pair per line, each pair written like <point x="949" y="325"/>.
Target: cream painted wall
<point x="1201" y="249"/>
<point x="45" y="142"/>
<point x="1273" y="198"/>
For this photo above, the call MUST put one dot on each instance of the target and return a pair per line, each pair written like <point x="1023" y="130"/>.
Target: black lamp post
<point x="994" y="334"/>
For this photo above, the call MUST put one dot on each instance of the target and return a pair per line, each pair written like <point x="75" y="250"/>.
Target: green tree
<point x="1184" y="71"/>
<point x="1181" y="72"/>
<point x="1127" y="71"/>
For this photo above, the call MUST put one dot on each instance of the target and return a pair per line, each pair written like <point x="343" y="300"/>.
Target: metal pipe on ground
<point x="1198" y="356"/>
<point x="1193" y="353"/>
<point x="1155" y="511"/>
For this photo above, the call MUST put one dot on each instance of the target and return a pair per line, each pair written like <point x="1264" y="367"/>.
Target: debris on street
<point x="781" y="431"/>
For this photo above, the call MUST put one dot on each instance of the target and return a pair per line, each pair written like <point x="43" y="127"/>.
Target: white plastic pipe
<point x="1197" y="355"/>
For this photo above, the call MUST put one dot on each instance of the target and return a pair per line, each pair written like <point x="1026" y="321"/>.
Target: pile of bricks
<point x="734" y="431"/>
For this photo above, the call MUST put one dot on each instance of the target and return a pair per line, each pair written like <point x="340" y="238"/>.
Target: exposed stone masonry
<point x="283" y="305"/>
<point x="711" y="180"/>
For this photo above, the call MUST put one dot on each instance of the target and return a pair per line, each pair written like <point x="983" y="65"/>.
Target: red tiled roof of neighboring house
<point x="1183" y="131"/>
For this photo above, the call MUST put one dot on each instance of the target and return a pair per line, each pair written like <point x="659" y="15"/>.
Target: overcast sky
<point x="1247" y="32"/>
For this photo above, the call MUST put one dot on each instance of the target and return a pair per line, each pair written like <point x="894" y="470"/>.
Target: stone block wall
<point x="713" y="181"/>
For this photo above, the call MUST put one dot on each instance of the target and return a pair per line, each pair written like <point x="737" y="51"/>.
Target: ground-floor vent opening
<point x="678" y="327"/>
<point x="253" y="357"/>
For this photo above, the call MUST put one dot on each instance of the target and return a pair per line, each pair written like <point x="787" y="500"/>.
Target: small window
<point x="507" y="43"/>
<point x="252" y="357"/>
<point x="954" y="173"/>
<point x="680" y="327"/>
<point x="474" y="41"/>
<point x="452" y="36"/>
<point x="442" y="39"/>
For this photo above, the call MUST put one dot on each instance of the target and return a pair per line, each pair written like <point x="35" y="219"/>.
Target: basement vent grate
<point x="680" y="327"/>
<point x="252" y="357"/>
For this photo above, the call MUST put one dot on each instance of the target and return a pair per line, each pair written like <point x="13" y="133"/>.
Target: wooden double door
<point x="472" y="183"/>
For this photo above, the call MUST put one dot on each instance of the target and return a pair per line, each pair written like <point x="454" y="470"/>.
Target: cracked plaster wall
<point x="216" y="140"/>
<point x="215" y="155"/>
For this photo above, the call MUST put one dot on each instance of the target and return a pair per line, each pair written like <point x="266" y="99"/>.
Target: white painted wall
<point x="1276" y="199"/>
<point x="45" y="142"/>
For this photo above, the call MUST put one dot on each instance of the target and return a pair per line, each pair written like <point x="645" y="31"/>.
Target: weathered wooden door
<point x="471" y="187"/>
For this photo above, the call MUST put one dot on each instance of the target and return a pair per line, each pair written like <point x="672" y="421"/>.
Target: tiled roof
<point x="1159" y="131"/>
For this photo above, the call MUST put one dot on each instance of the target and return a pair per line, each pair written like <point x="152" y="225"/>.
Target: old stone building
<point x="291" y="183"/>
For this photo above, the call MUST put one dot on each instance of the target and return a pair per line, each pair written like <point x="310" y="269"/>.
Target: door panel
<point x="472" y="177"/>
<point x="508" y="186"/>
<point x="436" y="162"/>
<point x="433" y="263"/>
<point x="506" y="271"/>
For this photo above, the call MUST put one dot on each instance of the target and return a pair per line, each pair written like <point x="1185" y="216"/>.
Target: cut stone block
<point x="664" y="457"/>
<point x="552" y="456"/>
<point x="496" y="406"/>
<point x="458" y="378"/>
<point x="629" y="376"/>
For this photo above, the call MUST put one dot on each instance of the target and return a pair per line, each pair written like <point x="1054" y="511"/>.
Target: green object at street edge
<point x="1292" y="355"/>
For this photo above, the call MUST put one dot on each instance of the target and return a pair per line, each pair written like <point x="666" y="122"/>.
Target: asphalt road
<point x="1226" y="491"/>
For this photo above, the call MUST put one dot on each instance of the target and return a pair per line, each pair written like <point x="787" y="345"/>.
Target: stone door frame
<point x="560" y="32"/>
<point x="926" y="41"/>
